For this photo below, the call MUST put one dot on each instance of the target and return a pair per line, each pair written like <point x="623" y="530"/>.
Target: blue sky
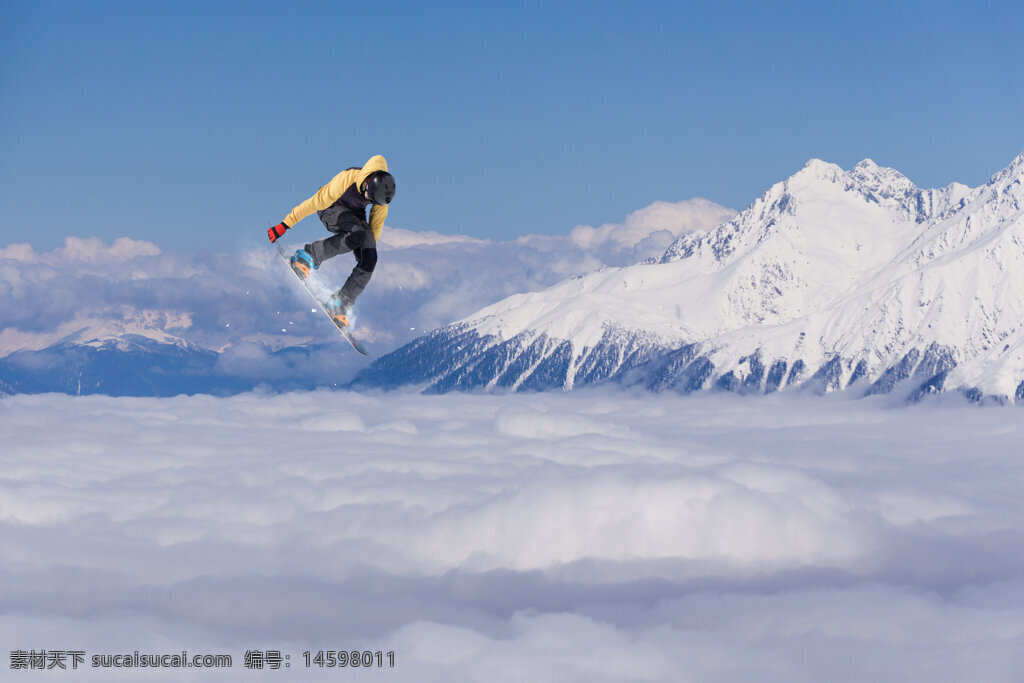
<point x="196" y="125"/>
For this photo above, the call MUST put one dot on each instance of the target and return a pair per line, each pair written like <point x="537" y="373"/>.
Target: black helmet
<point x="380" y="187"/>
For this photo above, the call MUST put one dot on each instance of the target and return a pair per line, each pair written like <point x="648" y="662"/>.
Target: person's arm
<point x="324" y="197"/>
<point x="377" y="213"/>
<point x="377" y="216"/>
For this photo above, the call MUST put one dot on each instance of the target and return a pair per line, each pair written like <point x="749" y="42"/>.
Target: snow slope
<point x="831" y="279"/>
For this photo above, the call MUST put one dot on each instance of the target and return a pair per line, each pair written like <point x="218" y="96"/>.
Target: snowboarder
<point x="341" y="205"/>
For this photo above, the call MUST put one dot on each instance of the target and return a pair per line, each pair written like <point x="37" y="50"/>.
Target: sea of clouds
<point x="246" y="304"/>
<point x="591" y="536"/>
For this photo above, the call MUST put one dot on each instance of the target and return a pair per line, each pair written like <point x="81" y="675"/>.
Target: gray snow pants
<point x="351" y="233"/>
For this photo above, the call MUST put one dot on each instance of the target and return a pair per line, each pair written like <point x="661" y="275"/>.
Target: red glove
<point x="276" y="231"/>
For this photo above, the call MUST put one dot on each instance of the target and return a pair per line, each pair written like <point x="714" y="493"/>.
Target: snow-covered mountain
<point x="831" y="280"/>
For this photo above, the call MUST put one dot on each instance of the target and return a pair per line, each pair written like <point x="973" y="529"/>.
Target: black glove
<point x="277" y="231"/>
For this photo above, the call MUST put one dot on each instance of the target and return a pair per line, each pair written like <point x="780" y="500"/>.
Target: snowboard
<point x="359" y="346"/>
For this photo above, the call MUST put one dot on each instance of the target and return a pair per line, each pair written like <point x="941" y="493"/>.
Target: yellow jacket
<point x="332" y="191"/>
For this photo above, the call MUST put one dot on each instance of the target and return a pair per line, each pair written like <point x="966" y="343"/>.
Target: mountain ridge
<point x="847" y="278"/>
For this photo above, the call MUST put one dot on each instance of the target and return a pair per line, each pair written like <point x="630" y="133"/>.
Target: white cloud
<point x="652" y="229"/>
<point x="592" y="536"/>
<point x="412" y="276"/>
<point x="92" y="249"/>
<point x="19" y="252"/>
<point x="399" y="238"/>
<point x="424" y="280"/>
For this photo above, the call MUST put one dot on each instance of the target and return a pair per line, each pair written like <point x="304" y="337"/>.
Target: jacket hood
<point x="372" y="165"/>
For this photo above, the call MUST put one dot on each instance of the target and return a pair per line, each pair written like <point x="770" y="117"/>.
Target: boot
<point x="339" y="307"/>
<point x="302" y="264"/>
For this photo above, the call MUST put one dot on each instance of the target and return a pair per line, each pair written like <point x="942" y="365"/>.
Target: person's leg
<point x="341" y="222"/>
<point x="329" y="247"/>
<point x="364" y="246"/>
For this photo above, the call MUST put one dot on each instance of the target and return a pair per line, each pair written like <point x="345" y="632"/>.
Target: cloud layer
<point x="592" y="536"/>
<point x="424" y="280"/>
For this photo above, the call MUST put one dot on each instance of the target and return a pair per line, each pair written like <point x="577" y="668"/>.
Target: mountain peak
<point x="1014" y="170"/>
<point x="884" y="181"/>
<point x="867" y="174"/>
<point x="1018" y="161"/>
<point x="820" y="169"/>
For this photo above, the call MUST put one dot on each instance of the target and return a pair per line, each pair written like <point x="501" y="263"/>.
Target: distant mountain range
<point x="135" y="365"/>
<point x="832" y="280"/>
